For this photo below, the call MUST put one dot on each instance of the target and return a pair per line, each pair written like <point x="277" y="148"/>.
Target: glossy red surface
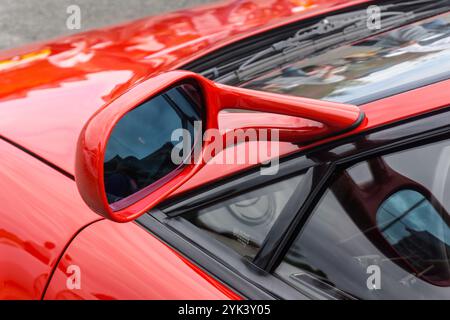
<point x="121" y="261"/>
<point x="105" y="245"/>
<point x="334" y="116"/>
<point x="94" y="137"/>
<point x="41" y="211"/>
<point x="377" y="113"/>
<point x="49" y="90"/>
<point x="47" y="93"/>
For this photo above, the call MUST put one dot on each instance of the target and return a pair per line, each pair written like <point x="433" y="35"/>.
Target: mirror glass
<point x="418" y="232"/>
<point x="138" y="154"/>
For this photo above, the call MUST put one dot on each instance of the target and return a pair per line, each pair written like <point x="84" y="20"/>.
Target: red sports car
<point x="282" y="149"/>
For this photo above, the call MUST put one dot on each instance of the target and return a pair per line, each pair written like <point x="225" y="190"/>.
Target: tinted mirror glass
<point x="418" y="233"/>
<point x="138" y="154"/>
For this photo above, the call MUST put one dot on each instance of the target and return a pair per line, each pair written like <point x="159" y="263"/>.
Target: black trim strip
<point x="227" y="188"/>
<point x="288" y="217"/>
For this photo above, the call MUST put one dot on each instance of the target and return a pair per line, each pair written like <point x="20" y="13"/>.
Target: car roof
<point x="51" y="89"/>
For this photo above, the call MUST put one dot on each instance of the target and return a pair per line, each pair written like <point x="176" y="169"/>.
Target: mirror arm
<point x="290" y="129"/>
<point x="337" y="117"/>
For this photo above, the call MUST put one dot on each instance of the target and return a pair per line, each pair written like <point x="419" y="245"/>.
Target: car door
<point x="255" y="233"/>
<point x="244" y="236"/>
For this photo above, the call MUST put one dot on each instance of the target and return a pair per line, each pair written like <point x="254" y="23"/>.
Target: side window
<point x="380" y="231"/>
<point x="243" y="222"/>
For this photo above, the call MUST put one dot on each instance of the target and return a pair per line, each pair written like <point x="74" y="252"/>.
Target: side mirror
<point x="123" y="161"/>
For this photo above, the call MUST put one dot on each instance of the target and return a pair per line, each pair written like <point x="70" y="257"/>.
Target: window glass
<point x="242" y="223"/>
<point x="385" y="64"/>
<point x="381" y="230"/>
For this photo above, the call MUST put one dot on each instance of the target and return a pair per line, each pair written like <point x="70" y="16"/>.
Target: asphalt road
<point x="23" y="21"/>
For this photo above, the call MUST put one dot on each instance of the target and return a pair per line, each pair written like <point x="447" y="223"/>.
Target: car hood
<point x="49" y="90"/>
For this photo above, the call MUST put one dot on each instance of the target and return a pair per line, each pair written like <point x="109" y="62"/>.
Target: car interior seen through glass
<point x="139" y="150"/>
<point x="387" y="215"/>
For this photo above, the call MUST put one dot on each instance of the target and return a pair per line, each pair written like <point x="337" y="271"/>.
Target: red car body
<point x="49" y="90"/>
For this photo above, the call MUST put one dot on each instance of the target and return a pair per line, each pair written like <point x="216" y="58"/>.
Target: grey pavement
<point x="24" y="21"/>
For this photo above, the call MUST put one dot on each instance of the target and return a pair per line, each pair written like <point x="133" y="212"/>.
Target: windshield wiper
<point x="329" y="32"/>
<point x="325" y="26"/>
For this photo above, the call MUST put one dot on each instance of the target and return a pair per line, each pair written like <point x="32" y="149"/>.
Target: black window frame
<point x="253" y="279"/>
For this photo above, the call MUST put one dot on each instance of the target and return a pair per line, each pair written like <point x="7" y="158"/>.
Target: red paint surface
<point x="121" y="261"/>
<point x="49" y="90"/>
<point x="112" y="248"/>
<point x="93" y="141"/>
<point x="41" y="210"/>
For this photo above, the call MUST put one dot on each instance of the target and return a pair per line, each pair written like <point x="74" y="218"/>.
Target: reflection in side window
<point x="410" y="223"/>
<point x="380" y="231"/>
<point x="242" y="223"/>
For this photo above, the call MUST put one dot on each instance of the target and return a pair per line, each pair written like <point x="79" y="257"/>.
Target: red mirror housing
<point x="314" y="120"/>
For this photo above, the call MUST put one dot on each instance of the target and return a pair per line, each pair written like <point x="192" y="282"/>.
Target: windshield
<point x="402" y="59"/>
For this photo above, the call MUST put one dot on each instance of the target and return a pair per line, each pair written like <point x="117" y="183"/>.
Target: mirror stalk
<point x="298" y="120"/>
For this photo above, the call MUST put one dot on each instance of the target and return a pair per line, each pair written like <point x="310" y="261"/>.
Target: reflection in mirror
<point x="416" y="230"/>
<point x="138" y="154"/>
